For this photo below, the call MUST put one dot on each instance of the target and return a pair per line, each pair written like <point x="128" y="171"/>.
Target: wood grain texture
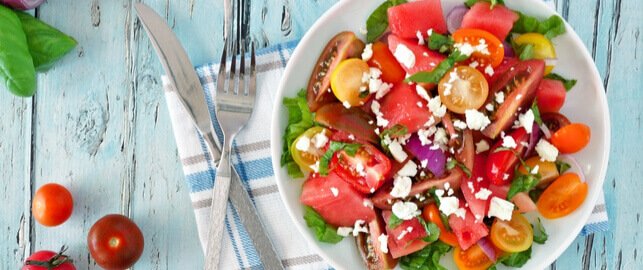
<point x="99" y="125"/>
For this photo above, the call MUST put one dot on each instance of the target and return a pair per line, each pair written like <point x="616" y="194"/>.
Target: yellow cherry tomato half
<point x="543" y="48"/>
<point x="515" y="235"/>
<point x="307" y="158"/>
<point x="346" y="82"/>
<point x="463" y="88"/>
<point x="547" y="170"/>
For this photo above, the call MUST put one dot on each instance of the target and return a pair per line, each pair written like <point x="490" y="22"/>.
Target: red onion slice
<point x="533" y="140"/>
<point x="575" y="166"/>
<point x="435" y="157"/>
<point x="454" y="18"/>
<point x="488" y="249"/>
<point x="509" y="51"/>
<point x="22" y="4"/>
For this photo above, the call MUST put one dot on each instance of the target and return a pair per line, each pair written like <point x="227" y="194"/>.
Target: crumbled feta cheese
<point x="359" y="227"/>
<point x="362" y="30"/>
<point x="459" y="124"/>
<point x="335" y="191"/>
<point x="383" y="89"/>
<point x="420" y="37"/>
<point x="315" y="167"/>
<point x="546" y="150"/>
<point x="404" y="55"/>
<point x="405" y="210"/>
<point x="365" y="77"/>
<point x="397" y="151"/>
<point x="479" y="179"/>
<point x="447" y="89"/>
<point x="402" y="234"/>
<point x="474" y="64"/>
<point x="424" y="163"/>
<point x="422" y="92"/>
<point x="518" y="97"/>
<point x="383" y="239"/>
<point x="482" y="146"/>
<point x="367" y="203"/>
<point x="450" y="192"/>
<point x="439" y="192"/>
<point x="500" y="97"/>
<point x="476" y="120"/>
<point x="500" y="208"/>
<point x="409" y="169"/>
<point x="351" y="137"/>
<point x="447" y="185"/>
<point x="436" y="107"/>
<point x="344" y="231"/>
<point x="409" y="229"/>
<point x="346" y="104"/>
<point x="430" y="122"/>
<point x="526" y="120"/>
<point x="483" y="194"/>
<point x="488" y="70"/>
<point x="359" y="168"/>
<point x="401" y="187"/>
<point x="368" y="52"/>
<point x="470" y="186"/>
<point x="505" y="176"/>
<point x="509" y="142"/>
<point x="377" y="131"/>
<point x="464" y="48"/>
<point x="419" y="103"/>
<point x="449" y="205"/>
<point x="303" y="144"/>
<point x="320" y="139"/>
<point x="535" y="169"/>
<point x="375" y="107"/>
<point x="425" y="54"/>
<point x="489" y="107"/>
<point x="482" y="47"/>
<point x="440" y="137"/>
<point x="429" y="32"/>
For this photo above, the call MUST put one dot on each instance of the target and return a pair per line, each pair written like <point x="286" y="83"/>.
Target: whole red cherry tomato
<point x="52" y="205"/>
<point x="48" y="260"/>
<point x="115" y="242"/>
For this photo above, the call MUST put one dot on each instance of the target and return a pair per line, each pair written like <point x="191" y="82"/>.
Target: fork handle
<point x="218" y="212"/>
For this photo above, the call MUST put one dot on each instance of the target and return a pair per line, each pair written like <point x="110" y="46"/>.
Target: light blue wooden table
<point x="99" y="125"/>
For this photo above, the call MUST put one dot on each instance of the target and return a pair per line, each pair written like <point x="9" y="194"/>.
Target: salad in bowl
<point x="437" y="139"/>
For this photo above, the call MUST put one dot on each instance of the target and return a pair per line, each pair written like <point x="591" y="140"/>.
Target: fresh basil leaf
<point x="427" y="258"/>
<point x="465" y="169"/>
<point x="441" y="43"/>
<point x="435" y="75"/>
<point x="522" y="183"/>
<point x="432" y="231"/>
<point x="394" y="221"/>
<point x="550" y="28"/>
<point x="46" y="43"/>
<point x="536" y="111"/>
<point x="300" y="119"/>
<point x="349" y="148"/>
<point x="525" y="51"/>
<point x="562" y="166"/>
<point x="540" y="235"/>
<point x="377" y="22"/>
<point x="17" y="72"/>
<point x="568" y="83"/>
<point x="323" y="231"/>
<point x="398" y="130"/>
<point x="493" y="3"/>
<point x="435" y="197"/>
<point x="517" y="259"/>
<point x="451" y="163"/>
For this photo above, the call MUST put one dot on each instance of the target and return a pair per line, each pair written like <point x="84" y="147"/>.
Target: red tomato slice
<point x="550" y="95"/>
<point x="341" y="210"/>
<point x="406" y="20"/>
<point x="467" y="230"/>
<point x="384" y="60"/>
<point x="366" y="171"/>
<point x="400" y="107"/>
<point x="501" y="163"/>
<point x="497" y="20"/>
<point x="501" y="69"/>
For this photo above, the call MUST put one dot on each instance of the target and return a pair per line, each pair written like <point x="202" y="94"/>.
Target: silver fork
<point x="233" y="109"/>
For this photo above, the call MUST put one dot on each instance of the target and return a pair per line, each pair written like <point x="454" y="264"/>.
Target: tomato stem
<point x="54" y="262"/>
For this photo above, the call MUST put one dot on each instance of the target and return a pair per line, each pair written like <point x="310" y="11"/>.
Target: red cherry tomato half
<point x="48" y="260"/>
<point x="384" y="60"/>
<point x="115" y="242"/>
<point x="366" y="171"/>
<point x="52" y="205"/>
<point x="501" y="163"/>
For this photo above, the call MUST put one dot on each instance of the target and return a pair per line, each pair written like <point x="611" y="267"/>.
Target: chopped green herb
<point x="562" y="166"/>
<point x="299" y="120"/>
<point x="363" y="94"/>
<point x="435" y="197"/>
<point x="534" y="194"/>
<point x="451" y="163"/>
<point x="536" y="111"/>
<point x="524" y="51"/>
<point x="540" y="235"/>
<point x="568" y="83"/>
<point x="349" y="148"/>
<point x="522" y="183"/>
<point x="394" y="221"/>
<point x="438" y="72"/>
<point x="432" y="231"/>
<point x="395" y="131"/>
<point x="493" y="3"/>
<point x="441" y="43"/>
<point x="377" y="22"/>
<point x="550" y="28"/>
<point x="426" y="258"/>
<point x="323" y="231"/>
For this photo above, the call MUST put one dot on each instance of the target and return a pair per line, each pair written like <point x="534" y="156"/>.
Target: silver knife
<point x="181" y="74"/>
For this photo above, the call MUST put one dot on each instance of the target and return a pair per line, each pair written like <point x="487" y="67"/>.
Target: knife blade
<point x="180" y="73"/>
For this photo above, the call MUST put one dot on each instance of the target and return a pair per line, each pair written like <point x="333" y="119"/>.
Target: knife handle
<point x="218" y="212"/>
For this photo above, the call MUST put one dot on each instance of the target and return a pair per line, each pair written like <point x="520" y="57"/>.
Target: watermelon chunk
<point x="406" y="20"/>
<point x="341" y="210"/>
<point x="409" y="242"/>
<point x="400" y="107"/>
<point x="497" y="21"/>
<point x="467" y="230"/>
<point x="425" y="59"/>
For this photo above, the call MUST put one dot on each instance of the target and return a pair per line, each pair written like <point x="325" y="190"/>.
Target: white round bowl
<point x="586" y="103"/>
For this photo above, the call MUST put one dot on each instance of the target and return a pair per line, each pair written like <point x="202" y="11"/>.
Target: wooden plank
<point x="15" y="150"/>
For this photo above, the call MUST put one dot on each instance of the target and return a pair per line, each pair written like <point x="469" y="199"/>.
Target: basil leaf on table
<point x="46" y="43"/>
<point x="17" y="72"/>
<point x="377" y="22"/>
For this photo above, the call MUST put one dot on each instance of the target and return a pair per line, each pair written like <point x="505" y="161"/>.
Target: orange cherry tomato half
<point x="515" y="235"/>
<point x="463" y="88"/>
<point x="52" y="205"/>
<point x="571" y="138"/>
<point x="432" y="214"/>
<point x="562" y="197"/>
<point x="384" y="60"/>
<point x="475" y="37"/>
<point x="471" y="259"/>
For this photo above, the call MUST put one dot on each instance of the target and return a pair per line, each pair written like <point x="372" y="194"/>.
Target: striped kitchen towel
<point x="251" y="158"/>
